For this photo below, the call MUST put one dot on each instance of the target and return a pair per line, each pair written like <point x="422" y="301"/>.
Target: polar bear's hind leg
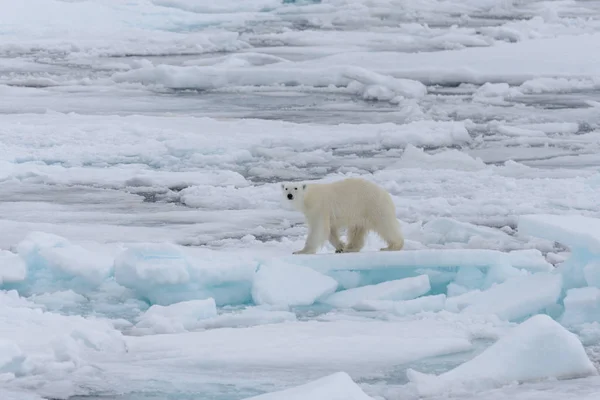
<point x="389" y="230"/>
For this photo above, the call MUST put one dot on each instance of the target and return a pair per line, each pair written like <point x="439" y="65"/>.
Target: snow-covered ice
<point x="402" y="289"/>
<point x="145" y="252"/>
<point x="338" y="386"/>
<point x="538" y="348"/>
<point x="283" y="284"/>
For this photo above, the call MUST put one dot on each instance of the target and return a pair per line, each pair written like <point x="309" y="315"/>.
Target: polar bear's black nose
<point x="290" y="196"/>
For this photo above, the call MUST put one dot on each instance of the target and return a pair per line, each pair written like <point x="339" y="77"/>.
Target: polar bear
<point x="354" y="204"/>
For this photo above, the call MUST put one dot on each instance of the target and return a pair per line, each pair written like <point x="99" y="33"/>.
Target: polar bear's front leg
<point x="317" y="232"/>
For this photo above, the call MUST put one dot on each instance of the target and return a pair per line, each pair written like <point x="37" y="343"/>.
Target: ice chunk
<point x="13" y="395"/>
<point x="441" y="265"/>
<point x="591" y="272"/>
<point x="51" y="257"/>
<point x="58" y="300"/>
<point x="407" y="307"/>
<point x="165" y="274"/>
<point x="338" y="386"/>
<point x="440" y="259"/>
<point x="518" y="297"/>
<point x="12" y="267"/>
<point x="414" y="157"/>
<point x="249" y="316"/>
<point x="217" y="77"/>
<point x="575" y="231"/>
<point x="178" y="317"/>
<point x="581" y="305"/>
<point x="161" y="264"/>
<point x="402" y="289"/>
<point x="581" y="234"/>
<point x="312" y="345"/>
<point x="536" y="349"/>
<point x="49" y="346"/>
<point x="290" y="285"/>
<point x="10" y="355"/>
<point x="529" y="259"/>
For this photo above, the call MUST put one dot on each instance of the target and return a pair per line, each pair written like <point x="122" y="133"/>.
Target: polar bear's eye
<point x="295" y="188"/>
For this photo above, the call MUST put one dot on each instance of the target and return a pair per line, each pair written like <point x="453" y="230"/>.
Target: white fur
<point x="354" y="204"/>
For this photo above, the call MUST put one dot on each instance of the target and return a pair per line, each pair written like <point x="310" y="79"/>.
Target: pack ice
<point x="140" y="302"/>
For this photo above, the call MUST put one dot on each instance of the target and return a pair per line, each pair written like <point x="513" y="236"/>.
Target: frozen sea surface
<point x="145" y="252"/>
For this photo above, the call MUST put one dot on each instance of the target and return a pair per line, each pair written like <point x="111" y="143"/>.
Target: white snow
<point x="338" y="386"/>
<point x="146" y="251"/>
<point x="536" y="349"/>
<point x="290" y="285"/>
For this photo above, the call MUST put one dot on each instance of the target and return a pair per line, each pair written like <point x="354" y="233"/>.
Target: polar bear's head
<point x="293" y="193"/>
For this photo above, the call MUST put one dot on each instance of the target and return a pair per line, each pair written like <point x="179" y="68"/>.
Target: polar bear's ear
<point x="304" y="186"/>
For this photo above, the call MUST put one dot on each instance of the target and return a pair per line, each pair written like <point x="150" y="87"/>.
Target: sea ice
<point x="12" y="267"/>
<point x="591" y="272"/>
<point x="337" y="386"/>
<point x="499" y="63"/>
<point x="538" y="348"/>
<point x="306" y="346"/>
<point x="249" y="316"/>
<point x="175" y="318"/>
<point x="10" y="356"/>
<point x="581" y="234"/>
<point x="576" y="231"/>
<point x="414" y="157"/>
<point x="278" y="283"/>
<point x="49" y="347"/>
<point x="441" y="265"/>
<point x="518" y="297"/>
<point x="166" y="274"/>
<point x="581" y="305"/>
<point x="51" y="258"/>
<point x="402" y="289"/>
<point x="426" y="303"/>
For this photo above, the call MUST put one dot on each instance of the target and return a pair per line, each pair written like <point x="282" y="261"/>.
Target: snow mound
<point x="50" y="347"/>
<point x="414" y="157"/>
<point x="290" y="285"/>
<point x="371" y="85"/>
<point x="536" y="349"/>
<point x="178" y="317"/>
<point x="338" y="386"/>
<point x="402" y="289"/>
